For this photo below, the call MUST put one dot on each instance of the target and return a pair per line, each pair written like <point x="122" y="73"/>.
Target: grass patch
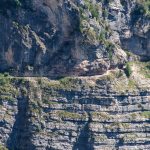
<point x="65" y="83"/>
<point x="3" y="147"/>
<point x="146" y="114"/>
<point x="6" y="87"/>
<point x="145" y="69"/>
<point x="101" y="115"/>
<point x="93" y="8"/>
<point x="71" y="115"/>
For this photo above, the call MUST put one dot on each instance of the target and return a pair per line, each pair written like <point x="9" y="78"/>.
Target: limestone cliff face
<point x="70" y="37"/>
<point x="85" y="113"/>
<point x="103" y="46"/>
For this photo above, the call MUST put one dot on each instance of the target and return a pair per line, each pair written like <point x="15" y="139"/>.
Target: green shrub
<point x="128" y="70"/>
<point x="94" y="11"/>
<point x="6" y="74"/>
<point x="110" y="48"/>
<point x="105" y="13"/>
<point x="93" y="8"/>
<point x="102" y="36"/>
<point x="4" y="80"/>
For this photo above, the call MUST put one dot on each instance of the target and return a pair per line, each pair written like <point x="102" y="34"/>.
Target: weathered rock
<point x="74" y="114"/>
<point x="104" y="105"/>
<point x="56" y="38"/>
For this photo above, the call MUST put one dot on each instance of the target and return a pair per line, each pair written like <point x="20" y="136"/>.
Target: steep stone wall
<point x="103" y="104"/>
<point x="75" y="113"/>
<point x="70" y="37"/>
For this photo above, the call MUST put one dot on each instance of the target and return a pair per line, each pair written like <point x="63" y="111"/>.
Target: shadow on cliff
<point x="84" y="139"/>
<point x="20" y="136"/>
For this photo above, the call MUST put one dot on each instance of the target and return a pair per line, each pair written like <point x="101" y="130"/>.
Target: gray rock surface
<point x="54" y="38"/>
<point x="103" y="104"/>
<point x="74" y="114"/>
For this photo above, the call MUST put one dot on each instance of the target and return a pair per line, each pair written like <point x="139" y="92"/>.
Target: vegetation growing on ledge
<point x="4" y="79"/>
<point x="3" y="147"/>
<point x="137" y="77"/>
<point x="101" y="115"/>
<point x="144" y="7"/>
<point x="128" y="70"/>
<point x="117" y="79"/>
<point x="146" y="114"/>
<point x="91" y="11"/>
<point x="65" y="83"/>
<point x="144" y="68"/>
<point x="6" y="87"/>
<point x="120" y="125"/>
<point x="71" y="115"/>
<point x="93" y="8"/>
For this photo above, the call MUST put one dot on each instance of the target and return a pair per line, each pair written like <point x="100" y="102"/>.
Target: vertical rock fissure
<point x="84" y="138"/>
<point x="20" y="136"/>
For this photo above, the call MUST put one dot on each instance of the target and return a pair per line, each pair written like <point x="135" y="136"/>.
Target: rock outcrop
<point x="54" y="38"/>
<point x="81" y="113"/>
<point x="74" y="75"/>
